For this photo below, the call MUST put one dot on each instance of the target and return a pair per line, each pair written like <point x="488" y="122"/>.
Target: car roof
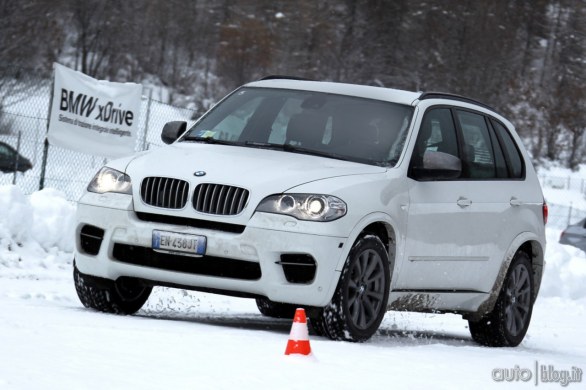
<point x="365" y="91"/>
<point x="371" y="92"/>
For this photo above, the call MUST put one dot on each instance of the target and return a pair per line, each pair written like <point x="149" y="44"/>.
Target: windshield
<point x="337" y="126"/>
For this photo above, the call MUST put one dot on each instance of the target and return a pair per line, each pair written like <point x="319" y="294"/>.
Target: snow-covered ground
<point x="187" y="340"/>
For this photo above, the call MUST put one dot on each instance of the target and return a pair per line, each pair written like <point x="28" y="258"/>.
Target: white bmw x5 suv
<point x="347" y="200"/>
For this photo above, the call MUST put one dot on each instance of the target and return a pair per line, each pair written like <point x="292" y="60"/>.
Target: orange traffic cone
<point x="299" y="337"/>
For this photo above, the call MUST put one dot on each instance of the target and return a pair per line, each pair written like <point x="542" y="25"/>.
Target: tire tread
<point x="106" y="300"/>
<point x="491" y="330"/>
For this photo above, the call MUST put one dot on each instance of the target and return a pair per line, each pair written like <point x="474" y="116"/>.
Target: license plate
<point x="187" y="244"/>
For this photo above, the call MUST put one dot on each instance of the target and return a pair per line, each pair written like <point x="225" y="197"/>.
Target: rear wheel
<point x="269" y="308"/>
<point x="507" y="324"/>
<point x="125" y="296"/>
<point x="360" y="301"/>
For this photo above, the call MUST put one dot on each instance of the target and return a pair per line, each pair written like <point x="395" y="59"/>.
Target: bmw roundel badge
<point x="199" y="173"/>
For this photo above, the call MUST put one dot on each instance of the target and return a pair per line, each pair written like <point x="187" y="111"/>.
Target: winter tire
<point x="360" y="301"/>
<point x="507" y="324"/>
<point x="125" y="296"/>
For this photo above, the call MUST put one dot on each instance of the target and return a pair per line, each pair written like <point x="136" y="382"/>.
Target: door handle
<point x="464" y="202"/>
<point x="515" y="202"/>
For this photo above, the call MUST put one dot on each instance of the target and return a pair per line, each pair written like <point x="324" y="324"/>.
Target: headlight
<point x="308" y="207"/>
<point x="110" y="180"/>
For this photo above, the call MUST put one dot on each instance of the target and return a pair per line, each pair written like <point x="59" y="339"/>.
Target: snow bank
<point x="53" y="219"/>
<point x="565" y="269"/>
<point x="15" y="214"/>
<point x="35" y="230"/>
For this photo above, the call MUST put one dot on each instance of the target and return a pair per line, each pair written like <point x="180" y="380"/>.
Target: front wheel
<point x="125" y="296"/>
<point x="360" y="301"/>
<point x="507" y="324"/>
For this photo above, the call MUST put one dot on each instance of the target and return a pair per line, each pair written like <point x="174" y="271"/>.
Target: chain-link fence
<point x="561" y="216"/>
<point x="24" y="105"/>
<point x="563" y="182"/>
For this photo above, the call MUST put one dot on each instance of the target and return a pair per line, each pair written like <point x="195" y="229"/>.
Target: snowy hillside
<point x="187" y="340"/>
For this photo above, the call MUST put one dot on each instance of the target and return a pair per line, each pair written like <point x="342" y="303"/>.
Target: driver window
<point x="437" y="133"/>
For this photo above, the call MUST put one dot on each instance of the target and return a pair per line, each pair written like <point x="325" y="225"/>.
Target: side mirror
<point x="172" y="131"/>
<point x="438" y="166"/>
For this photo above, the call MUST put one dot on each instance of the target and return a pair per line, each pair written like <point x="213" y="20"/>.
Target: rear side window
<point x="513" y="156"/>
<point x="477" y="152"/>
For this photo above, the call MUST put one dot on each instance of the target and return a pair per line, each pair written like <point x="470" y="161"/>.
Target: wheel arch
<point x="528" y="243"/>
<point x="535" y="251"/>
<point x="380" y="225"/>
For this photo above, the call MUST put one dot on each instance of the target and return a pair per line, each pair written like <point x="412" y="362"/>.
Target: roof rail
<point x="282" y="77"/>
<point x="451" y="96"/>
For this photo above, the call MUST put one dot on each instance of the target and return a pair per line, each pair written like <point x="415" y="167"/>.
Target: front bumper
<point x="261" y="244"/>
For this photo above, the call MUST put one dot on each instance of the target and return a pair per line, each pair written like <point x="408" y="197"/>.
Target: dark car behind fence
<point x="11" y="161"/>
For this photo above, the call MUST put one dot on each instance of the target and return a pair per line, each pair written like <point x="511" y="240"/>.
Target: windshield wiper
<point x="294" y="149"/>
<point x="208" y="140"/>
<point x="284" y="147"/>
<point x="268" y="145"/>
<point x="297" y="149"/>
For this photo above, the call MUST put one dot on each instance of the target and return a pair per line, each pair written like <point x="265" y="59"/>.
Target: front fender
<point x="395" y="228"/>
<point x="395" y="231"/>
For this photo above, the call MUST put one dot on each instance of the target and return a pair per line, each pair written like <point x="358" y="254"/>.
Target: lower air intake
<point x="298" y="268"/>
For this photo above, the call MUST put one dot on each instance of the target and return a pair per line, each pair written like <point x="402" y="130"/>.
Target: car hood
<point x="261" y="171"/>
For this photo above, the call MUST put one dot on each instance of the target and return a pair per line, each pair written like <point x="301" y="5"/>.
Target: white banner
<point x="93" y="116"/>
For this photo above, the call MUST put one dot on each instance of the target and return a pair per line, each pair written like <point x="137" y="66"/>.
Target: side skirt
<point x="437" y="301"/>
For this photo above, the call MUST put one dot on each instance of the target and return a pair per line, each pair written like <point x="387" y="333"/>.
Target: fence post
<point x="570" y="214"/>
<point x="44" y="164"/>
<point x="46" y="147"/>
<point x="146" y="124"/>
<point x="16" y="158"/>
